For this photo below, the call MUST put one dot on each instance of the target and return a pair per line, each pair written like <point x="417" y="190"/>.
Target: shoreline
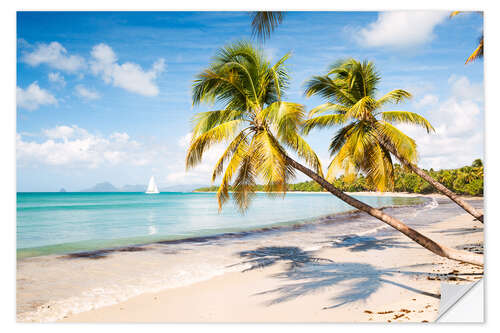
<point x="235" y="232"/>
<point x="358" y="286"/>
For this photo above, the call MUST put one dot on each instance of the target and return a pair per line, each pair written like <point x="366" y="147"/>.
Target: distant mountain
<point x="102" y="187"/>
<point x="62" y="190"/>
<point x="108" y="187"/>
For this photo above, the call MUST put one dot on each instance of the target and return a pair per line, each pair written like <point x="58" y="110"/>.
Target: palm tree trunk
<point x="429" y="244"/>
<point x="437" y="185"/>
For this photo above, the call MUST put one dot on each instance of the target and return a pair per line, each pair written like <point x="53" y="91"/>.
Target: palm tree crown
<point x="350" y="88"/>
<point x="254" y="122"/>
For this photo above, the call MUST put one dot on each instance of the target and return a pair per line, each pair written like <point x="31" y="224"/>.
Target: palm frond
<point x="327" y="88"/>
<point x="328" y="107"/>
<point x="478" y="52"/>
<point x="226" y="88"/>
<point x="201" y="143"/>
<point x="322" y="122"/>
<point x="378" y="168"/>
<point x="362" y="109"/>
<point x="264" y="23"/>
<point x="237" y="157"/>
<point x="228" y="153"/>
<point x="271" y="165"/>
<point x="404" y="145"/>
<point x="205" y="121"/>
<point x="245" y="181"/>
<point x="396" y="96"/>
<point x="342" y="162"/>
<point x="406" y="117"/>
<point x="302" y="148"/>
<point x="340" y="138"/>
<point x="284" y="118"/>
<point x="280" y="77"/>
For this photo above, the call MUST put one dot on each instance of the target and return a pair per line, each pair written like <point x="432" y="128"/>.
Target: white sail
<point x="152" y="188"/>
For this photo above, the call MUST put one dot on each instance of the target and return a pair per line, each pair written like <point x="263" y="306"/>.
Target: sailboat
<point x="152" y="188"/>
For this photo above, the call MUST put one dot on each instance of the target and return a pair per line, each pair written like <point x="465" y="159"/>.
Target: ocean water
<point x="135" y="243"/>
<point x="50" y="223"/>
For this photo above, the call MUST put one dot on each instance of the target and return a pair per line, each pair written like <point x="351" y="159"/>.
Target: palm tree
<point x="263" y="23"/>
<point x="368" y="137"/>
<point x="477" y="163"/>
<point x="479" y="51"/>
<point x="258" y="127"/>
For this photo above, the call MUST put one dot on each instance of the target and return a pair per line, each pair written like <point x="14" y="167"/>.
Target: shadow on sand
<point x="356" y="243"/>
<point x="267" y="256"/>
<point x="101" y="254"/>
<point x="459" y="231"/>
<point x="307" y="275"/>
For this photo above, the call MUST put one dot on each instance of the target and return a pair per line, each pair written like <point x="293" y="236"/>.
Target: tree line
<point x="467" y="180"/>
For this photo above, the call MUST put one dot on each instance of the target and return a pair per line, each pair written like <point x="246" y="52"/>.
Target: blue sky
<point x="105" y="96"/>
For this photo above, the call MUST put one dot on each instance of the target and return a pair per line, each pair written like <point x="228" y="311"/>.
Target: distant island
<point x="62" y="190"/>
<point x="108" y="187"/>
<point x="467" y="180"/>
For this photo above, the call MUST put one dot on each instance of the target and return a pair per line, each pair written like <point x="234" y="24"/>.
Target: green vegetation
<point x="367" y="135"/>
<point x="467" y="180"/>
<point x="254" y="119"/>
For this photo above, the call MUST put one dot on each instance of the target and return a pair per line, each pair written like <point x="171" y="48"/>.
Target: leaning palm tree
<point x="258" y="127"/>
<point x="368" y="137"/>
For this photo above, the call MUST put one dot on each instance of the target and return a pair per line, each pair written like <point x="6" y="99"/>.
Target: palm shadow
<point x="309" y="274"/>
<point x="356" y="243"/>
<point x="270" y="255"/>
<point x="359" y="281"/>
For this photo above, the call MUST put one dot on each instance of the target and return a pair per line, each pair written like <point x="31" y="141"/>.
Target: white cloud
<point x="60" y="132"/>
<point x="72" y="146"/>
<point x="55" y="56"/>
<point x="202" y="173"/>
<point x="427" y="100"/>
<point x="32" y="97"/>
<point x="56" y="77"/>
<point x="120" y="137"/>
<point x="184" y="141"/>
<point x="128" y="76"/>
<point x="81" y="91"/>
<point x="271" y="53"/>
<point x="401" y="28"/>
<point x="459" y="128"/>
<point x="463" y="88"/>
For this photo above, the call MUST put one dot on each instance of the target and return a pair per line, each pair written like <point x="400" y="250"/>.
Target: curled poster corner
<point x="462" y="303"/>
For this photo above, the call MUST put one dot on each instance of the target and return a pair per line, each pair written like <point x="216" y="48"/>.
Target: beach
<point x="390" y="280"/>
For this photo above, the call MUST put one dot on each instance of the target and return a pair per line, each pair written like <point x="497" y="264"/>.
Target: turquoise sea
<point x="52" y="223"/>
